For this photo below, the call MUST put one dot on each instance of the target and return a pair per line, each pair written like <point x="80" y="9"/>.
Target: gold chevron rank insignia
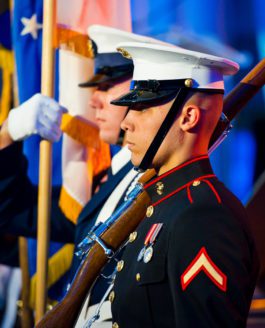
<point x="203" y="262"/>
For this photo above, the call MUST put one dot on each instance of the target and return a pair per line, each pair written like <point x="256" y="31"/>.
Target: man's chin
<point x="135" y="160"/>
<point x="108" y="138"/>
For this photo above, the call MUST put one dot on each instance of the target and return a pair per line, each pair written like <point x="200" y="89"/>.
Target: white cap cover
<point x="160" y="62"/>
<point x="107" y="38"/>
<point x="110" y="66"/>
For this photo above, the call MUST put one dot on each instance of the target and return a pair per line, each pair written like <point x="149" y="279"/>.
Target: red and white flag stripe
<point x="203" y="262"/>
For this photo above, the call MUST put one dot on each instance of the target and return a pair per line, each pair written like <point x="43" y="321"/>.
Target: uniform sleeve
<point x="18" y="200"/>
<point x="210" y="269"/>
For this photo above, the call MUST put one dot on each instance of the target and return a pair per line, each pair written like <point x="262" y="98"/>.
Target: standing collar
<point x="120" y="159"/>
<point x="167" y="184"/>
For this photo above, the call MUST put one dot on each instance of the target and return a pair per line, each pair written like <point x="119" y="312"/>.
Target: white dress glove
<point x="39" y="115"/>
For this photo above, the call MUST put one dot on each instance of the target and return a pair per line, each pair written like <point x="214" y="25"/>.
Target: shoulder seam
<point x="211" y="186"/>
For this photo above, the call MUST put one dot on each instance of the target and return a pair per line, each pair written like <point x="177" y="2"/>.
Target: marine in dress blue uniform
<point x="192" y="261"/>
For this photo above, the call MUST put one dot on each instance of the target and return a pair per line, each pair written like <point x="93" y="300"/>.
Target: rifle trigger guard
<point x="108" y="252"/>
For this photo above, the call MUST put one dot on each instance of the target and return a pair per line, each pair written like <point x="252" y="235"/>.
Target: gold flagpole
<point x="44" y="197"/>
<point x="26" y="316"/>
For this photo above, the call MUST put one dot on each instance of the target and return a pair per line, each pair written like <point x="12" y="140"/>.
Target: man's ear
<point x="190" y="117"/>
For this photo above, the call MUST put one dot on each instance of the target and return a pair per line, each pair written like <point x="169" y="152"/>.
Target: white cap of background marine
<point x="110" y="66"/>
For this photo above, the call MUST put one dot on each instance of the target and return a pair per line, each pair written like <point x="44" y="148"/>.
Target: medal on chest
<point x="146" y="253"/>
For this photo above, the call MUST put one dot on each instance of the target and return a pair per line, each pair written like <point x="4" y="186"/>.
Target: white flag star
<point x="31" y="26"/>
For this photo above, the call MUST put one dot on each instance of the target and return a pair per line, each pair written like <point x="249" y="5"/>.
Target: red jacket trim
<point x="209" y="184"/>
<point x="175" y="169"/>
<point x="181" y="188"/>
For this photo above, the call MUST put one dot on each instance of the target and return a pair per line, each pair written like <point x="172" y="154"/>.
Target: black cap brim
<point x="95" y="81"/>
<point x="139" y="99"/>
<point x="115" y="75"/>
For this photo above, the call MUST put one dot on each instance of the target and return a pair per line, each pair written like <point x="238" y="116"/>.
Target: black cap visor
<point x="148" y="93"/>
<point x="109" y="76"/>
<point x="140" y="99"/>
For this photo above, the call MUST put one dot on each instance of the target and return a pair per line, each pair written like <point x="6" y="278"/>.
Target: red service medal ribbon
<point x="146" y="252"/>
<point x="155" y="232"/>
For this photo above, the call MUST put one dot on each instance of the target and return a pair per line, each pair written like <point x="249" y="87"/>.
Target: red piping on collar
<point x="175" y="169"/>
<point x="182" y="187"/>
<point x="209" y="184"/>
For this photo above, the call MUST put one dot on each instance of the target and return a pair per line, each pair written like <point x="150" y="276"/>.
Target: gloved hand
<point x="39" y="115"/>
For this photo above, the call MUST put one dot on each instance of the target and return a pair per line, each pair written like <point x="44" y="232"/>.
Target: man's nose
<point x="126" y="123"/>
<point x="96" y="101"/>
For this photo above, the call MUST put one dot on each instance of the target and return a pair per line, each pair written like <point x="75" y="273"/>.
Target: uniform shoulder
<point x="213" y="194"/>
<point x="213" y="213"/>
<point x="210" y="190"/>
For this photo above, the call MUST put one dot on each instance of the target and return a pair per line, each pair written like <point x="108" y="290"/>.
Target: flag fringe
<point x="7" y="66"/>
<point x="5" y="98"/>
<point x="99" y="161"/>
<point x="74" y="41"/>
<point x="6" y="59"/>
<point x="58" y="264"/>
<point x="81" y="130"/>
<point x="69" y="206"/>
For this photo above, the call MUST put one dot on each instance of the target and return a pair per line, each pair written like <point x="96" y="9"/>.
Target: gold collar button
<point x="159" y="188"/>
<point x="195" y="183"/>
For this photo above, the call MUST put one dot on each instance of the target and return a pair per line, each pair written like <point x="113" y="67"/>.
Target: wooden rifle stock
<point x="65" y="313"/>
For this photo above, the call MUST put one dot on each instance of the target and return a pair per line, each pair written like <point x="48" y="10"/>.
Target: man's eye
<point x="105" y="86"/>
<point x="145" y="109"/>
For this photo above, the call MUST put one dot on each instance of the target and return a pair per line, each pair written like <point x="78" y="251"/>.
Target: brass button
<point x="115" y="325"/>
<point x="138" y="277"/>
<point x="120" y="265"/>
<point x="149" y="211"/>
<point x="111" y="296"/>
<point x="132" y="236"/>
<point x="195" y="183"/>
<point x="159" y="187"/>
<point x="49" y="307"/>
<point x="188" y="83"/>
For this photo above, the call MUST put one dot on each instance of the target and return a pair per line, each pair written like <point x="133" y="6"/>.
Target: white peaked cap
<point x="107" y="38"/>
<point x="161" y="62"/>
